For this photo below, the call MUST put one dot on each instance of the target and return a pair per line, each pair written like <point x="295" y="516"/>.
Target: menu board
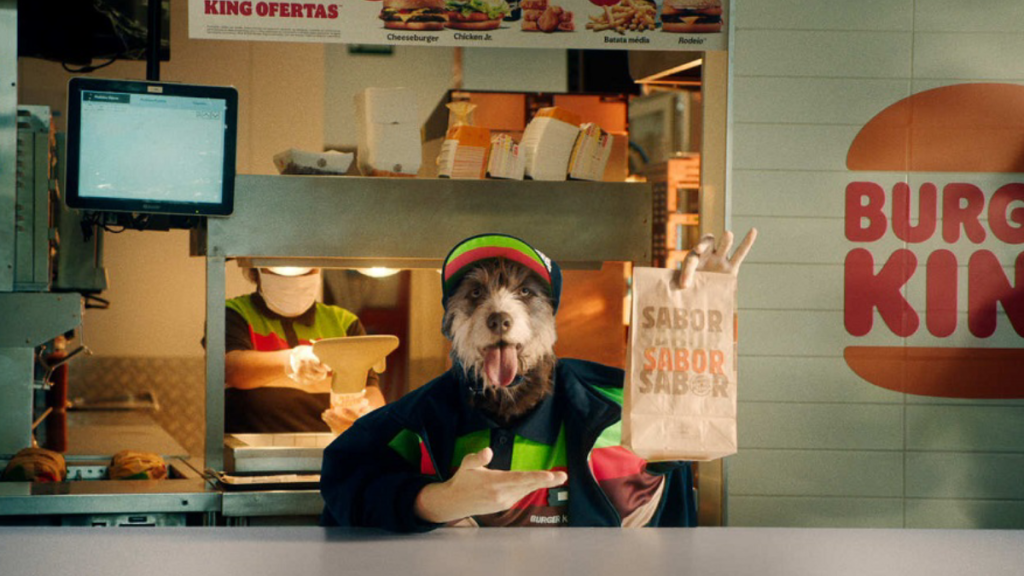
<point x="692" y="25"/>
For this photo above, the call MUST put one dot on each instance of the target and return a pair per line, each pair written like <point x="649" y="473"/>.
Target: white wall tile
<point x="820" y="426"/>
<point x="806" y="241"/>
<point x="805" y="379"/>
<point x="922" y="84"/>
<point x="977" y="57"/>
<point x="792" y="146"/>
<point x="815" y="473"/>
<point x="801" y="333"/>
<point x="825" y="54"/>
<point x="814" y="100"/>
<point x="968" y="16"/>
<point x="965" y="475"/>
<point x="782" y="511"/>
<point x="825" y="15"/>
<point x="969" y="428"/>
<point x="964" y="514"/>
<point x="791" y="287"/>
<point x="799" y="193"/>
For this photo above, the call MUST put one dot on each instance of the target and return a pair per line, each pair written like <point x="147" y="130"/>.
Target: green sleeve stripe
<point x="407" y="444"/>
<point x="530" y="455"/>
<point x="614" y="394"/>
<point x="610" y="436"/>
<point x="472" y="442"/>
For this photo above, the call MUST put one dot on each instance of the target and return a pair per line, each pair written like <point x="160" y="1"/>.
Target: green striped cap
<point x="472" y="251"/>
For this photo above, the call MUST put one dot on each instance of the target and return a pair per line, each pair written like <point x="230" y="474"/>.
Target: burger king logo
<point x="959" y="139"/>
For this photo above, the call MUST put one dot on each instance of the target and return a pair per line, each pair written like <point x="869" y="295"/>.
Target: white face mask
<point x="289" y="296"/>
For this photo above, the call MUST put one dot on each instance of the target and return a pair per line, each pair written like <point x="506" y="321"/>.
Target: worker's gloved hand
<point x="707" y="258"/>
<point x="304" y="367"/>
<point x="346" y="409"/>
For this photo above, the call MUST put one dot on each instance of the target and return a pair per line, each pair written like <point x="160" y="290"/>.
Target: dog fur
<point x="502" y="303"/>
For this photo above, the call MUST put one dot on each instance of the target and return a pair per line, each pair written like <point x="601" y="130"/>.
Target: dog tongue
<point x="501" y="365"/>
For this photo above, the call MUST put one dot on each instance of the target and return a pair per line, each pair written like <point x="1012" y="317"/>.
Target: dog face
<point x="502" y="326"/>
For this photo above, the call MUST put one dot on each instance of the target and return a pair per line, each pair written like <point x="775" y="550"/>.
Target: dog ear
<point x="446" y="324"/>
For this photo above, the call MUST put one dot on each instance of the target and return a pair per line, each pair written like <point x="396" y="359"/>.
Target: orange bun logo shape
<point x="966" y="128"/>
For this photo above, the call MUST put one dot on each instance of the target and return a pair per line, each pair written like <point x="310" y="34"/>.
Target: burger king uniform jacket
<point x="373" y="472"/>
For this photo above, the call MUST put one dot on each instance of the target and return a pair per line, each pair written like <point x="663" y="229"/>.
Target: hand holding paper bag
<point x="706" y="258"/>
<point x="680" y="396"/>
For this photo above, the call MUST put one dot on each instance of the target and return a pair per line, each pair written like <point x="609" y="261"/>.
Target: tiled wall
<point x="177" y="383"/>
<point x="819" y="446"/>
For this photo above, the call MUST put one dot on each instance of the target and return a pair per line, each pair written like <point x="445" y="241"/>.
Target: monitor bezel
<point x="103" y="204"/>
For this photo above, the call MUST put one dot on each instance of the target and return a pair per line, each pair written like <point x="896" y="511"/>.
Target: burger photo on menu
<point x="476" y="14"/>
<point x="691" y="16"/>
<point x="413" y="14"/>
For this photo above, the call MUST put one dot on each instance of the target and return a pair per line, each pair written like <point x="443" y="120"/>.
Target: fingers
<point x="511" y="487"/>
<point x="690" y="263"/>
<point x="699" y="253"/>
<point x="477" y="459"/>
<point x="358" y="410"/>
<point x="725" y="245"/>
<point x="705" y="244"/>
<point x="741" y="252"/>
<point x="538" y="479"/>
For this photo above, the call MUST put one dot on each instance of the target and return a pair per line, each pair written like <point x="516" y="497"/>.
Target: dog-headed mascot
<point x="510" y="435"/>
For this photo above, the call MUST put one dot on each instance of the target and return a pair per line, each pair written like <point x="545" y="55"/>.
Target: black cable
<point x="88" y="68"/>
<point x="95" y="302"/>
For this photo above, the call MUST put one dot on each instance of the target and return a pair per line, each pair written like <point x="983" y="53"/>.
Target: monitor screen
<point x="150" y="147"/>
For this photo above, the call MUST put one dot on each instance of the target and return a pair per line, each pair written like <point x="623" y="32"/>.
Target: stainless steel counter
<point x="95" y="436"/>
<point x="512" y="551"/>
<point x="103" y="433"/>
<point x="176" y="496"/>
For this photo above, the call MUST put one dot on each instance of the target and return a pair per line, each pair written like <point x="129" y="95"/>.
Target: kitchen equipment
<point x="351" y="357"/>
<point x="268" y="454"/>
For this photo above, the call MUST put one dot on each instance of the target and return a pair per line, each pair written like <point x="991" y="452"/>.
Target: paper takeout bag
<point x="680" y="401"/>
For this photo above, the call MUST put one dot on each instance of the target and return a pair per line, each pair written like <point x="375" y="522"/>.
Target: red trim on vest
<point x="267" y="342"/>
<point x="615" y="462"/>
<point x="426" y="464"/>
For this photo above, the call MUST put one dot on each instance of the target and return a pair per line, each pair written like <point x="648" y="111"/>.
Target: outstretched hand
<point x="707" y="258"/>
<point x="476" y="490"/>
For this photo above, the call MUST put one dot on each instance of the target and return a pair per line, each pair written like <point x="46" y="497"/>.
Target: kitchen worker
<point x="275" y="383"/>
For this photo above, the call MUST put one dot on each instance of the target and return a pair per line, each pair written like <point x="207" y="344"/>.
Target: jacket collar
<point x="541" y="425"/>
<point x="572" y="399"/>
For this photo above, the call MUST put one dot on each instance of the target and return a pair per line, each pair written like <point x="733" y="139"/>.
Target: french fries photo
<point x="626" y="16"/>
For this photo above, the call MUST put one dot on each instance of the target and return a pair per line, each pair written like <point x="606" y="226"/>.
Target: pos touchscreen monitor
<point x="150" y="147"/>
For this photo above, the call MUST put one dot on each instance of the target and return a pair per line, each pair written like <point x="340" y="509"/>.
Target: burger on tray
<point x="691" y="16"/>
<point x="413" y="14"/>
<point x="476" y="14"/>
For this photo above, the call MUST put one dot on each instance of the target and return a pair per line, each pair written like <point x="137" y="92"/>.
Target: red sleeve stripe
<point x="426" y="464"/>
<point x="538" y="498"/>
<point x="615" y="462"/>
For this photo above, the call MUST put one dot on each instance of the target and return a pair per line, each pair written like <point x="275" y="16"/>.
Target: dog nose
<point x="499" y="322"/>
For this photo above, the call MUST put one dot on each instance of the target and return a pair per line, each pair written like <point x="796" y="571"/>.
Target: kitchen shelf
<point x="412" y="223"/>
